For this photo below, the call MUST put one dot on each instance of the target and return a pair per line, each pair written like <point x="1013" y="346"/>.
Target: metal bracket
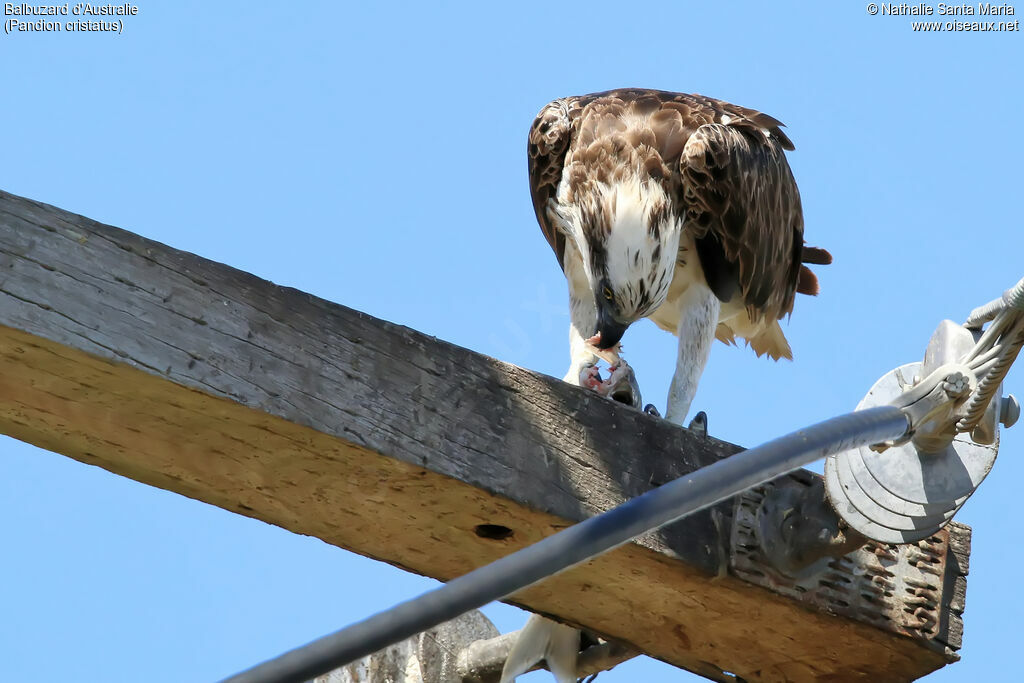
<point x="798" y="531"/>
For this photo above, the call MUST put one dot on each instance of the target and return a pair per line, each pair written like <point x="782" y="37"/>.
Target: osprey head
<point x="630" y="240"/>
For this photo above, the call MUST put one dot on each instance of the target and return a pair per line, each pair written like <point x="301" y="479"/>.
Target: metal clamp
<point x="905" y="490"/>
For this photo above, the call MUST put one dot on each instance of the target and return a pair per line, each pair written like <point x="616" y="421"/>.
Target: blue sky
<point x="374" y="155"/>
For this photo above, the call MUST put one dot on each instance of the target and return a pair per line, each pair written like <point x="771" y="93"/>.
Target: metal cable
<point x="1010" y="346"/>
<point x="1011" y="298"/>
<point x="981" y="362"/>
<point x="995" y="351"/>
<point x="989" y="338"/>
<point x="579" y="543"/>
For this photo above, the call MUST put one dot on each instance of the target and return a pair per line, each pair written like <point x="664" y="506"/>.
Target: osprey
<point x="678" y="208"/>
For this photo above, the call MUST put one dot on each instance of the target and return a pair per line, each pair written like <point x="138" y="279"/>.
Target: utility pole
<point x="194" y="377"/>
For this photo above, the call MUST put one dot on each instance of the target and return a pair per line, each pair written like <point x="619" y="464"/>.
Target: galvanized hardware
<point x="907" y="489"/>
<point x="798" y="532"/>
<point x="897" y="587"/>
<point x="904" y="494"/>
<point x="1009" y="411"/>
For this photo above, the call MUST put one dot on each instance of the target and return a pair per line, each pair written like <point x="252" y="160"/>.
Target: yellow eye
<point x="608" y="294"/>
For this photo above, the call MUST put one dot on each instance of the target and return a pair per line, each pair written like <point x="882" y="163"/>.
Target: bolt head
<point x="1009" y="411"/>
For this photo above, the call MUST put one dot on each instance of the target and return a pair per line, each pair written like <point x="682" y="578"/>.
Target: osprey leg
<point x="581" y="357"/>
<point x="698" y="317"/>
<point x="582" y="318"/>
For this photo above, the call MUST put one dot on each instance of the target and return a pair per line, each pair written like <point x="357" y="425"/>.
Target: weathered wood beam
<point x="197" y="378"/>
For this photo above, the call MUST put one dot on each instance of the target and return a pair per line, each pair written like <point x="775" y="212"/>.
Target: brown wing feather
<point x="547" y="145"/>
<point x="741" y="199"/>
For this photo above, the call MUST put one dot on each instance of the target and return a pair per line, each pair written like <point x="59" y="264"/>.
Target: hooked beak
<point x="609" y="330"/>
